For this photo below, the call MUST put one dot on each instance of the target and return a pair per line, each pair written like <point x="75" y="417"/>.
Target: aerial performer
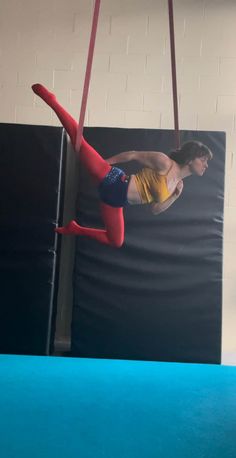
<point x="159" y="183"/>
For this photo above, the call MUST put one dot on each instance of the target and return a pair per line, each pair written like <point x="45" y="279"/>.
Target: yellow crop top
<point x="152" y="186"/>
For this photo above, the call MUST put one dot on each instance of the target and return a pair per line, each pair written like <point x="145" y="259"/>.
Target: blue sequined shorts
<point x="114" y="187"/>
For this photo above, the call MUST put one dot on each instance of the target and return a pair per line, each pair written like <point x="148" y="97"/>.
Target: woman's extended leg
<point x="92" y="160"/>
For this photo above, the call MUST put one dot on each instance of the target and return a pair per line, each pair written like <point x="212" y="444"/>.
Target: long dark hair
<point x="189" y="151"/>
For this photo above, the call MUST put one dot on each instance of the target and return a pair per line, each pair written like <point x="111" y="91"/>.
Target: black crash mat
<point x="159" y="296"/>
<point x="31" y="185"/>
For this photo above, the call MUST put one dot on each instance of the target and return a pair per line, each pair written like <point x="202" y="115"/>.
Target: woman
<point x="159" y="182"/>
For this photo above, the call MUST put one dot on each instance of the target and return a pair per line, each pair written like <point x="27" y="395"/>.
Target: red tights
<point x="113" y="219"/>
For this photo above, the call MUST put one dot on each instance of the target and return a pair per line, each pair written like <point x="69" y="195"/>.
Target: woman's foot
<point x="42" y="91"/>
<point x="71" y="228"/>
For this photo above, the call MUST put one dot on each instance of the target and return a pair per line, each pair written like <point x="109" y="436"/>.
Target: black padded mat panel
<point x="159" y="296"/>
<point x="31" y="186"/>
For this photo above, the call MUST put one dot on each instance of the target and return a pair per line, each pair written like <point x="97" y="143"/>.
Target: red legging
<point x="113" y="219"/>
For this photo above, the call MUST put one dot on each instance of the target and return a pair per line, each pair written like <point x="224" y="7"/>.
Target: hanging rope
<point x="89" y="67"/>
<point x="174" y="78"/>
<point x="87" y="74"/>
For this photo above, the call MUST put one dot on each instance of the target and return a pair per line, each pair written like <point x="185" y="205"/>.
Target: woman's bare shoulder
<point x="164" y="162"/>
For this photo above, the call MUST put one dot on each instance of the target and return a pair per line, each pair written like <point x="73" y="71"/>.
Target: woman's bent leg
<point x="113" y="234"/>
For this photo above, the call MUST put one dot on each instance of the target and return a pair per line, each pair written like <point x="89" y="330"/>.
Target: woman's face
<point x="199" y="165"/>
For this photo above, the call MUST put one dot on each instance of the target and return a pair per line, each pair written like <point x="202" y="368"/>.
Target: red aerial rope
<point x="87" y="75"/>
<point x="89" y="66"/>
<point x="174" y="78"/>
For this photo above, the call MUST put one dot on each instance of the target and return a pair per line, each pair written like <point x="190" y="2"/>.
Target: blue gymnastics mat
<point x="90" y="408"/>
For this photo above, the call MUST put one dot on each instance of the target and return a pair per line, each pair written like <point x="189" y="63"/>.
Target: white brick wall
<point x="47" y="41"/>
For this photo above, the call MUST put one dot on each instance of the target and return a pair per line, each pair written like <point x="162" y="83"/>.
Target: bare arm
<point x="161" y="207"/>
<point x="151" y="159"/>
<point x="126" y="156"/>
